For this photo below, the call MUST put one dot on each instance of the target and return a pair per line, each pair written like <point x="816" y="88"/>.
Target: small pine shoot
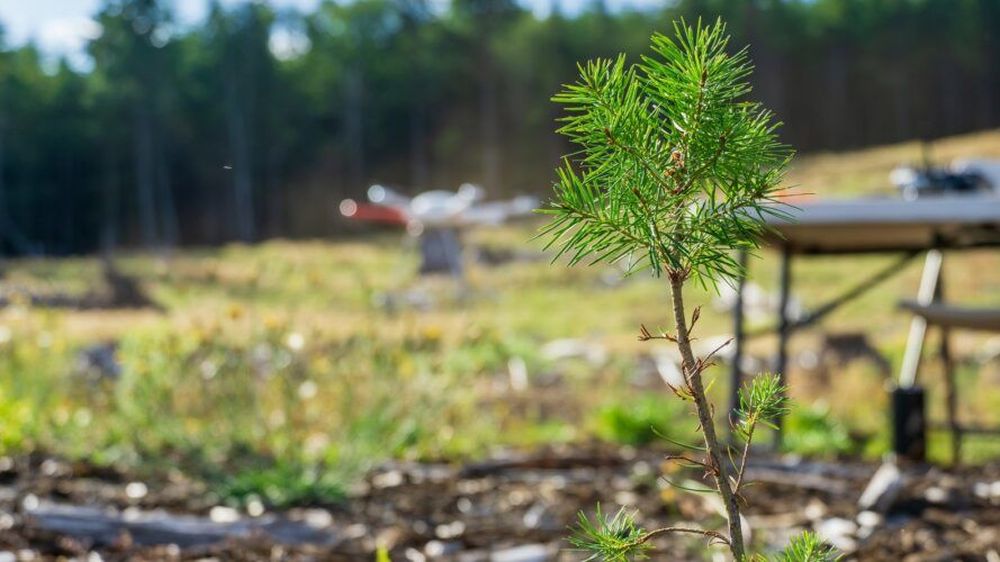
<point x="762" y="401"/>
<point x="675" y="168"/>
<point x="808" y="547"/>
<point x="613" y="538"/>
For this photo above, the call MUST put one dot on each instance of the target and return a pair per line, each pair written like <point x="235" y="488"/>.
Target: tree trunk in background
<point x="354" y="128"/>
<point x="902" y="84"/>
<point x="489" y="115"/>
<point x="276" y="205"/>
<point x="67" y="225"/>
<point x="419" y="166"/>
<point x="165" y="199"/>
<point x="239" y="142"/>
<point x="144" y="176"/>
<point x="109" y="203"/>
<point x="949" y="78"/>
<point x="9" y="232"/>
<point x="768" y="68"/>
<point x="4" y="224"/>
<point x="836" y="97"/>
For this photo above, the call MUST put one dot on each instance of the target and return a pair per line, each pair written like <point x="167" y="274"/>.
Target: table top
<point x="868" y="225"/>
<point x="951" y="316"/>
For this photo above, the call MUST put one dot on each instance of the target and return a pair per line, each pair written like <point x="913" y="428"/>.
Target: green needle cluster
<point x="675" y="169"/>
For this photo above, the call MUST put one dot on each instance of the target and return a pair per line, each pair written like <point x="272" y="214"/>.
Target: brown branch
<point x="704" y="411"/>
<point x="714" y="535"/>
<point x="708" y="358"/>
<point x="743" y="460"/>
<point x="645" y="335"/>
<point x="694" y="319"/>
<point x="685" y="459"/>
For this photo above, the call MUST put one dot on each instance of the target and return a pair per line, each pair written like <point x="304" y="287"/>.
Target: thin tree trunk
<point x="8" y="230"/>
<point x="693" y="376"/>
<point x="837" y="79"/>
<point x="354" y="127"/>
<point x="144" y="177"/>
<point x="419" y="169"/>
<point x="109" y="207"/>
<point x="165" y="200"/>
<point x="242" y="174"/>
<point x="4" y="225"/>
<point x="276" y="197"/>
<point x="490" y="116"/>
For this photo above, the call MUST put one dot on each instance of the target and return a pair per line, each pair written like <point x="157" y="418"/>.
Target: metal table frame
<point x="868" y="226"/>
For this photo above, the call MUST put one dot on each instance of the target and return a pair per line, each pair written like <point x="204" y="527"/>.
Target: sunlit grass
<point x="276" y="363"/>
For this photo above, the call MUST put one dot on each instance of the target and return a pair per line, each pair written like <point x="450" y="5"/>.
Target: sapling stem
<point x="692" y="377"/>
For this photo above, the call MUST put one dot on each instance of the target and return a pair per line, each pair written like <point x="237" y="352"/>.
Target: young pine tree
<point x="675" y="172"/>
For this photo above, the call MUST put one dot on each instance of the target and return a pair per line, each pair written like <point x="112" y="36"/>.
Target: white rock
<point x="518" y="371"/>
<point x="883" y="489"/>
<point x="436" y="549"/>
<point x="389" y="479"/>
<point x="936" y="494"/>
<point x="815" y="510"/>
<point x="533" y="517"/>
<point x="318" y="518"/>
<point x="136" y="490"/>
<point x="450" y="530"/>
<point x="30" y="502"/>
<point x="525" y="553"/>
<point x="869" y="519"/>
<point x="838" y="532"/>
<point x="255" y="508"/>
<point x="223" y="514"/>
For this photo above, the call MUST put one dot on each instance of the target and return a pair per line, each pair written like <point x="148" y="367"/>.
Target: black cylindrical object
<point x="909" y="424"/>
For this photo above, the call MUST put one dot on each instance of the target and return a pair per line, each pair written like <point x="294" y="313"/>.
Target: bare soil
<point x="513" y="507"/>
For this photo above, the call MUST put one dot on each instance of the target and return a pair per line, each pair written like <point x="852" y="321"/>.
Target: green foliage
<point x="611" y="538"/>
<point x="807" y="547"/>
<point x="296" y="415"/>
<point x="643" y="420"/>
<point x="813" y="431"/>
<point x="674" y="170"/>
<point x="762" y="401"/>
<point x="284" y="485"/>
<point x="16" y="424"/>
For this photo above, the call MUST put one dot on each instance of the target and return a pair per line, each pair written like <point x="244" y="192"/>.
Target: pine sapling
<point x="676" y="172"/>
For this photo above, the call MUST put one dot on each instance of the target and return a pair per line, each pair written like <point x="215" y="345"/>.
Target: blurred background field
<point x="283" y="371"/>
<point x="192" y="326"/>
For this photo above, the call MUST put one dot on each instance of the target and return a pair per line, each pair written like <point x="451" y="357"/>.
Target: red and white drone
<point x="436" y="209"/>
<point x="435" y="217"/>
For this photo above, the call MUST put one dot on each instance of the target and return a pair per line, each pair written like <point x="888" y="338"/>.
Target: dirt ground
<point x="513" y="507"/>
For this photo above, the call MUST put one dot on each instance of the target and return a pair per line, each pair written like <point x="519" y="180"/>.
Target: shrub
<point x="642" y="420"/>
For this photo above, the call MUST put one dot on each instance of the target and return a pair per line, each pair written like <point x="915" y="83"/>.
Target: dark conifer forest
<point x="256" y="122"/>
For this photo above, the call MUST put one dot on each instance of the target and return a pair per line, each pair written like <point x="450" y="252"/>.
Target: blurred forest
<point x="256" y="122"/>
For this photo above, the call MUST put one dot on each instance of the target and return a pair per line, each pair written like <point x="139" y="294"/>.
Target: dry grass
<point x="440" y="372"/>
<point x="866" y="171"/>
